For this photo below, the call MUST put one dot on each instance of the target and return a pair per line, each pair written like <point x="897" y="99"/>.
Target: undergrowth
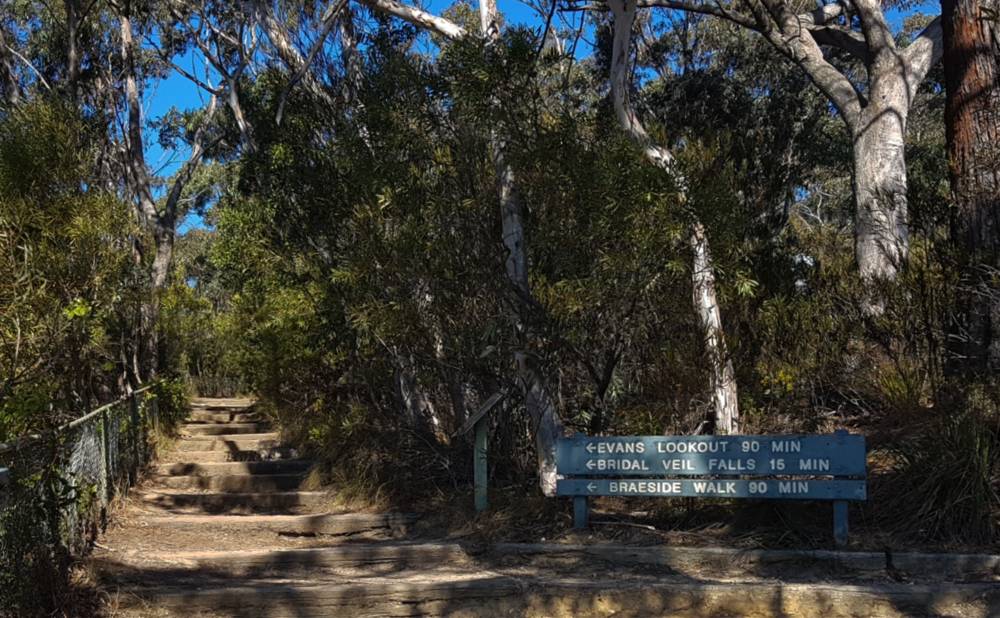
<point x="944" y="482"/>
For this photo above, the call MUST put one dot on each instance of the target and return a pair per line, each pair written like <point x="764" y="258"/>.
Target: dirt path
<point x="222" y="528"/>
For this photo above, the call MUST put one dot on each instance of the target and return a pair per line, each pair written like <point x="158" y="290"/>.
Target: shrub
<point x="944" y="485"/>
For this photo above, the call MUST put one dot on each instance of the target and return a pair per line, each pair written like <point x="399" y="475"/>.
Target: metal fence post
<point x="106" y="447"/>
<point x="134" y="410"/>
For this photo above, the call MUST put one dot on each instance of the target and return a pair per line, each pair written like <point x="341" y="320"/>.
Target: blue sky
<point x="177" y="91"/>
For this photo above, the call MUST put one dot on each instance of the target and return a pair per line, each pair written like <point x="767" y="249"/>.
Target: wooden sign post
<point x="479" y="422"/>
<point x="789" y="467"/>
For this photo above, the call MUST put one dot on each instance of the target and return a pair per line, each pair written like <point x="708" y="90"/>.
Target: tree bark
<point x="894" y="74"/>
<point x="726" y="419"/>
<point x="161" y="224"/>
<point x="8" y="76"/>
<point x="538" y="401"/>
<point x="972" y="125"/>
<point x="163" y="236"/>
<point x="421" y="415"/>
<point x="881" y="227"/>
<point x="72" y="46"/>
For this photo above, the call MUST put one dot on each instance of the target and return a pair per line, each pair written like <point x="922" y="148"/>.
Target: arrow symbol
<point x="590" y="447"/>
<point x="591" y="487"/>
<point x="590" y="464"/>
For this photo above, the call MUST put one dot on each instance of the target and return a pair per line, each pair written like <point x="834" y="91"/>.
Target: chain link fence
<point x="56" y="490"/>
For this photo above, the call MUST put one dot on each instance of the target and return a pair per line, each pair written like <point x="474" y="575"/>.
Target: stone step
<point x="488" y="594"/>
<point x="239" y="468"/>
<point x="204" y="416"/>
<point x="218" y="456"/>
<point x="237" y="483"/>
<point x="247" y="502"/>
<point x="226" y="429"/>
<point x="303" y="598"/>
<point x="340" y="524"/>
<point x="234" y="403"/>
<point x="244" y="442"/>
<point x="146" y="566"/>
<point x="786" y="564"/>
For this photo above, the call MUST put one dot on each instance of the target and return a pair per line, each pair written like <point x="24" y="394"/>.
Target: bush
<point x="944" y="485"/>
<point x="173" y="401"/>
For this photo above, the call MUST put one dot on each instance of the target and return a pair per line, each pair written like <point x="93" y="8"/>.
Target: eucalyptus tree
<point x="75" y="51"/>
<point x="726" y="418"/>
<point x="874" y="103"/>
<point x="160" y="217"/>
<point x="972" y="124"/>
<point x="539" y="401"/>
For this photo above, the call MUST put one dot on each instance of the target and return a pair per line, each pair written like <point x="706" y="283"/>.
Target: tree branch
<point x="184" y="73"/>
<point x="876" y="29"/>
<point x="841" y="38"/>
<point x="417" y="17"/>
<point x="701" y="7"/>
<point x="793" y="39"/>
<point x="923" y="53"/>
<point x="12" y="89"/>
<point x="822" y="15"/>
<point x="292" y="57"/>
<point x="624" y="17"/>
<point x="189" y="167"/>
<point x="27" y="63"/>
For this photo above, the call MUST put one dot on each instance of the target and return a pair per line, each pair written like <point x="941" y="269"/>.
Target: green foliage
<point x="353" y="274"/>
<point x="172" y="403"/>
<point x="357" y="265"/>
<point x="71" y="288"/>
<point x="34" y="559"/>
<point x="69" y="306"/>
<point x="944" y="481"/>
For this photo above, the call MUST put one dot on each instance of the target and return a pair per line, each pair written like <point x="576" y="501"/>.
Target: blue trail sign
<point x="791" y="489"/>
<point x="826" y="455"/>
<point x="789" y="467"/>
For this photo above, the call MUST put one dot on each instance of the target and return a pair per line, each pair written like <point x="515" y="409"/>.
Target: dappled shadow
<point x="258" y="503"/>
<point x="277" y="466"/>
<point x="234" y="483"/>
<point x="427" y="583"/>
<point x="476" y="578"/>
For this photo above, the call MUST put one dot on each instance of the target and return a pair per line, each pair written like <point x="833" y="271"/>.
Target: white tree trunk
<point x="544" y="420"/>
<point x="882" y="238"/>
<point x="538" y="401"/>
<point x="419" y="411"/>
<point x="706" y="305"/>
<point x="444" y="425"/>
<point x="726" y="412"/>
<point x="162" y="225"/>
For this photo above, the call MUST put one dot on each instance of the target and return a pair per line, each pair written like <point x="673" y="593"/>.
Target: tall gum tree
<point x="972" y="126"/>
<point x="875" y="109"/>
<point x="539" y="401"/>
<point x="159" y="219"/>
<point x="726" y="413"/>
